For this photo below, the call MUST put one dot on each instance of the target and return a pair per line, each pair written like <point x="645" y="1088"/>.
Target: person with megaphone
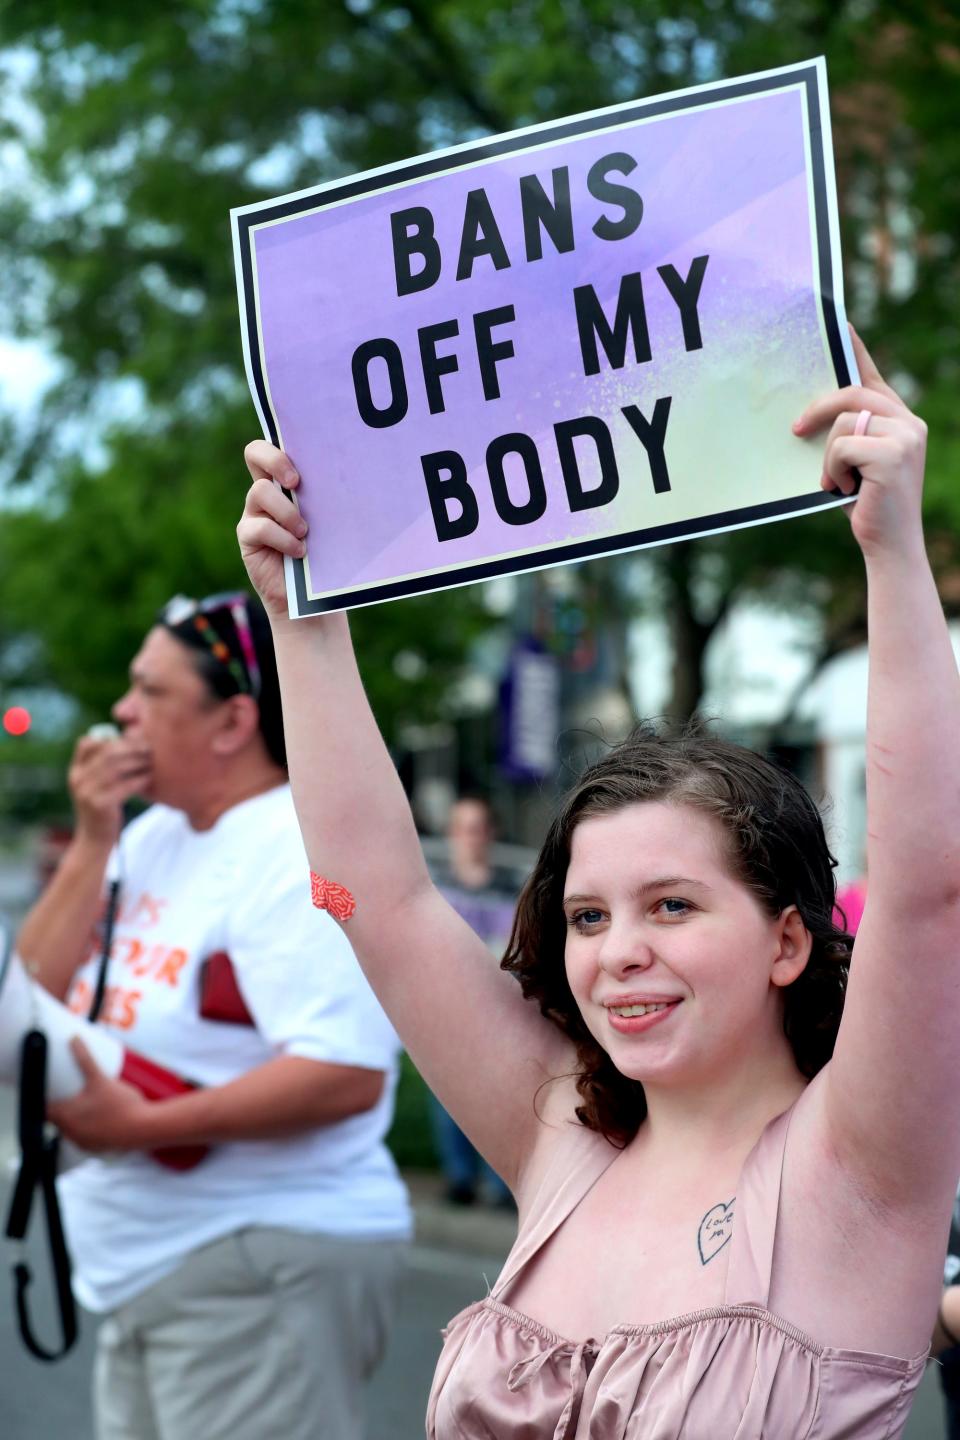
<point x="247" y="1287"/>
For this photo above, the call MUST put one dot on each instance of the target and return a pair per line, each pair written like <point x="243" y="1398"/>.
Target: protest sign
<point x="576" y="339"/>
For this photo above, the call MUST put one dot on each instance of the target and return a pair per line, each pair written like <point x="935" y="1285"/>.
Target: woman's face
<point x="675" y="966"/>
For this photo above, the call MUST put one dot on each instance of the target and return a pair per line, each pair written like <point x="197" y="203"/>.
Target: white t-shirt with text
<point x="242" y="887"/>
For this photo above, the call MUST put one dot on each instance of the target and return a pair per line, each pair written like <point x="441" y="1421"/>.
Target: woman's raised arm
<point x="479" y="1045"/>
<point x="891" y="1102"/>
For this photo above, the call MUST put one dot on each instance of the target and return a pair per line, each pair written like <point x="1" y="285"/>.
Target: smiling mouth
<point x="628" y="1011"/>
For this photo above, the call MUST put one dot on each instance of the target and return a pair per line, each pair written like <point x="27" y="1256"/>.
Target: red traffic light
<point x="16" y="720"/>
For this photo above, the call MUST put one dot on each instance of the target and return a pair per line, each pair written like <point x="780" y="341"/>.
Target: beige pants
<point x="264" y="1335"/>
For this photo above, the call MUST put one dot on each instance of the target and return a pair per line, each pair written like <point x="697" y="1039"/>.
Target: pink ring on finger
<point x="863" y="420"/>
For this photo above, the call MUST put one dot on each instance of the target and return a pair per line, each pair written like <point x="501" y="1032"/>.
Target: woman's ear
<point x="793" y="951"/>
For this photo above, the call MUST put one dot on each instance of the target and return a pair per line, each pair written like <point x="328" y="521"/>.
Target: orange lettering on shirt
<point x="153" y="908"/>
<point x="78" y="1000"/>
<point x="134" y="957"/>
<point x="143" y="911"/>
<point x="156" y="961"/>
<point x="109" y="1002"/>
<point x="171" y="967"/>
<point x="120" y="1007"/>
<point x="129" y="1000"/>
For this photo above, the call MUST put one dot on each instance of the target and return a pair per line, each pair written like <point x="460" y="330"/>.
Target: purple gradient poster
<point x="577" y="339"/>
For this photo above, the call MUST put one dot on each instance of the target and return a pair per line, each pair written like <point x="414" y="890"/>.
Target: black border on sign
<point x="806" y="73"/>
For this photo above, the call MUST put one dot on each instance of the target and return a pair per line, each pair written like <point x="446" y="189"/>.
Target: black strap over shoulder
<point x="106" y="945"/>
<point x="38" y="1170"/>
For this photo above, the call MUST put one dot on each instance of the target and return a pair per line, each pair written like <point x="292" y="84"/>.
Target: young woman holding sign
<point x="729" y="1225"/>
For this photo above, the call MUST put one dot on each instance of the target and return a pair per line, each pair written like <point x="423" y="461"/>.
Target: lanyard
<point x="38" y="1171"/>
<point x="109" y="924"/>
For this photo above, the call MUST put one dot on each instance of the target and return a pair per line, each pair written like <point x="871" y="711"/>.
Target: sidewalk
<point x="473" y="1229"/>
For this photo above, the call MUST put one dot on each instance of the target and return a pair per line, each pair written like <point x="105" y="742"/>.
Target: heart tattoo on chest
<point x="716" y="1227"/>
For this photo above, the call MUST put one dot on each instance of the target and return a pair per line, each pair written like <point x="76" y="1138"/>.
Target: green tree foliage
<point x="154" y="122"/>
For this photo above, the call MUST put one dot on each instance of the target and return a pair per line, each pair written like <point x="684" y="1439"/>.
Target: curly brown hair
<point x="777" y="847"/>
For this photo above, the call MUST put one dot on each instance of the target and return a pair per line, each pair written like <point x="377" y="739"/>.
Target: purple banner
<point x="572" y="340"/>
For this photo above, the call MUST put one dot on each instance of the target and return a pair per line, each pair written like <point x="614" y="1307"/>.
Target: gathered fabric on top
<point x="731" y="1372"/>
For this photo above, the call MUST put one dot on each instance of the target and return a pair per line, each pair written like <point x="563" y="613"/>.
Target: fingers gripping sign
<point x="271" y="526"/>
<point x="874" y="435"/>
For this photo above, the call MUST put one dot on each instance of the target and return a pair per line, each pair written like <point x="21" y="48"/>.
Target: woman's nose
<point x="624" y="951"/>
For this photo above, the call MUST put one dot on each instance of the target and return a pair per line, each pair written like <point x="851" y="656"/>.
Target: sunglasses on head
<point x="181" y="613"/>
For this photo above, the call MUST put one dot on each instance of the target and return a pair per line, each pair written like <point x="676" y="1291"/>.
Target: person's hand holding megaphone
<point x="107" y="769"/>
<point x="107" y="1114"/>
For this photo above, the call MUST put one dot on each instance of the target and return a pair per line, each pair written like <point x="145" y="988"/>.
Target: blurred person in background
<point x="484" y="895"/>
<point x="851" y="902"/>
<point x="252" y="1294"/>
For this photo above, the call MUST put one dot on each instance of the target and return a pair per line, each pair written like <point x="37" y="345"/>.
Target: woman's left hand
<point x="889" y="455"/>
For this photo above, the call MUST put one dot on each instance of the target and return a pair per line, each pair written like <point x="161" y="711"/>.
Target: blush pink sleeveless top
<point x="734" y="1372"/>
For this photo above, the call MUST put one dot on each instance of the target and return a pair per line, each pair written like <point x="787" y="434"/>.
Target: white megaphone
<point x="26" y="1006"/>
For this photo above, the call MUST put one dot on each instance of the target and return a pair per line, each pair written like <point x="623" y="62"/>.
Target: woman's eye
<point x="674" y="906"/>
<point x="585" y="919"/>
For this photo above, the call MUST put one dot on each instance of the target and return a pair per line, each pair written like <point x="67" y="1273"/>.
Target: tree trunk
<point x="689" y="634"/>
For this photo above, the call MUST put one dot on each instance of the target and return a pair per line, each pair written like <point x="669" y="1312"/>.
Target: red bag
<point x="155" y="1082"/>
<point x="220" y="997"/>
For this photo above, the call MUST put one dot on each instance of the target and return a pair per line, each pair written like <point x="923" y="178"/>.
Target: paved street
<point x="42" y="1402"/>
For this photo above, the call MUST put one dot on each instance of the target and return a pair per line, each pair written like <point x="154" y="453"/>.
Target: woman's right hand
<point x="271" y="525"/>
